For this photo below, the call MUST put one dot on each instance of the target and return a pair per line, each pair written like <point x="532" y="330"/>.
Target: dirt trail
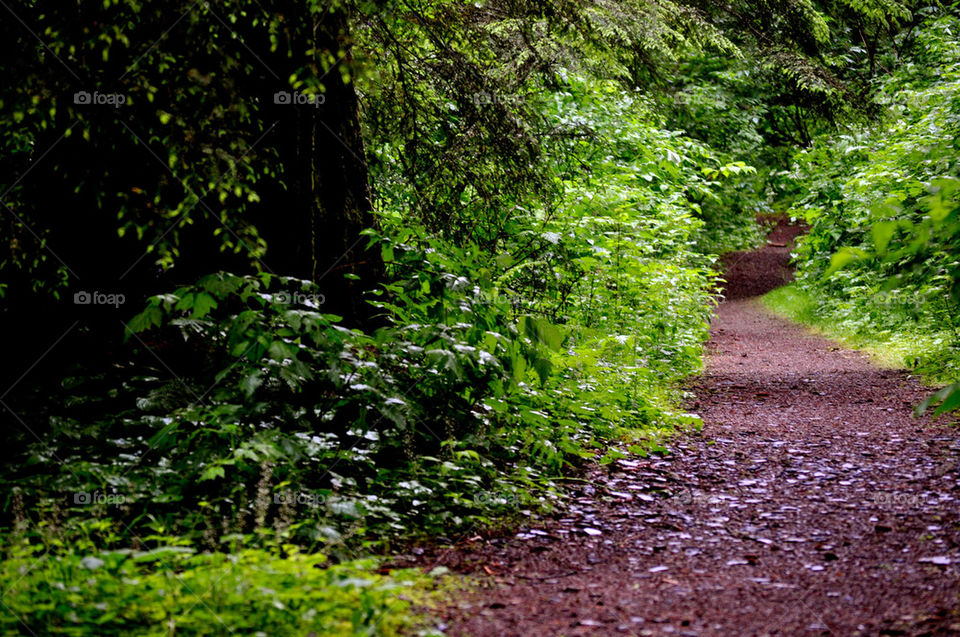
<point x="811" y="503"/>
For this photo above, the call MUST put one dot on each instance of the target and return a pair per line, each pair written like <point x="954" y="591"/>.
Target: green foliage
<point x="632" y="290"/>
<point x="882" y="204"/>
<point x="175" y="590"/>
<point x="882" y="326"/>
<point x="547" y="213"/>
<point x="283" y="417"/>
<point x="490" y="375"/>
<point x="194" y="157"/>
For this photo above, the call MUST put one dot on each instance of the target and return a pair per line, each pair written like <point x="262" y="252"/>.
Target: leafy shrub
<point x="491" y="372"/>
<point x="882" y="205"/>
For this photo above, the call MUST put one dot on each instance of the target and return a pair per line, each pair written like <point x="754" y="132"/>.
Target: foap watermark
<point x="87" y="498"/>
<point x="299" y="498"/>
<point x="484" y="98"/>
<point x="691" y="498"/>
<point x="895" y="500"/>
<point x="500" y="498"/>
<point x="85" y="98"/>
<point x="901" y="299"/>
<point x="98" y="298"/>
<point x="299" y="99"/>
<point x="299" y="298"/>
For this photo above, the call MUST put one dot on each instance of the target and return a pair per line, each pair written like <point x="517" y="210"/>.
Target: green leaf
<point x="280" y="350"/>
<point x="543" y="331"/>
<point x="544" y="369"/>
<point x="163" y="553"/>
<point x="251" y="382"/>
<point x="185" y="302"/>
<point x="842" y="258"/>
<point x="150" y="317"/>
<point x="611" y="455"/>
<point x="882" y="232"/>
<point x="212" y="472"/>
<point x="202" y="305"/>
<point x="951" y="402"/>
<point x="948" y="399"/>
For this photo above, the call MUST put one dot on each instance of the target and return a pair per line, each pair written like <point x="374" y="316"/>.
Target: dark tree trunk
<point x="340" y="189"/>
<point x="313" y="225"/>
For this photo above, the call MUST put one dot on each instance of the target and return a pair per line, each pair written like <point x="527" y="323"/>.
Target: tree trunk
<point x="341" y="206"/>
<point x="313" y="225"/>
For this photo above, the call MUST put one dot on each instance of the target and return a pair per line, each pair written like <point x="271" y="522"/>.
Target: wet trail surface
<point x="811" y="503"/>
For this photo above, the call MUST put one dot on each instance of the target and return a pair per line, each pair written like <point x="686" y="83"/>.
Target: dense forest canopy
<point x="327" y="275"/>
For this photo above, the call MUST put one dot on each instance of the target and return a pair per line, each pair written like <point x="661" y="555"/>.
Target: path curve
<point x="812" y="503"/>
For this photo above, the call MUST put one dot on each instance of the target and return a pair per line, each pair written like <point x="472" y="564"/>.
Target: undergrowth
<point x="538" y="285"/>
<point x="174" y="590"/>
<point x="243" y="410"/>
<point x="878" y="267"/>
<point x="905" y="343"/>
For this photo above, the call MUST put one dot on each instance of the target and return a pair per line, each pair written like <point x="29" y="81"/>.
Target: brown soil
<point x="812" y="503"/>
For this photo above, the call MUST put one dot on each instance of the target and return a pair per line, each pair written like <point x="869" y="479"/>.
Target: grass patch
<point x="897" y="342"/>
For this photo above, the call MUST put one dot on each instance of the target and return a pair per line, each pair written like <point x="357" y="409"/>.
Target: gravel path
<point x="812" y="503"/>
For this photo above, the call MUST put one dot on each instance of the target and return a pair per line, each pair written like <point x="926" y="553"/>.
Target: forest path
<point x="812" y="503"/>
